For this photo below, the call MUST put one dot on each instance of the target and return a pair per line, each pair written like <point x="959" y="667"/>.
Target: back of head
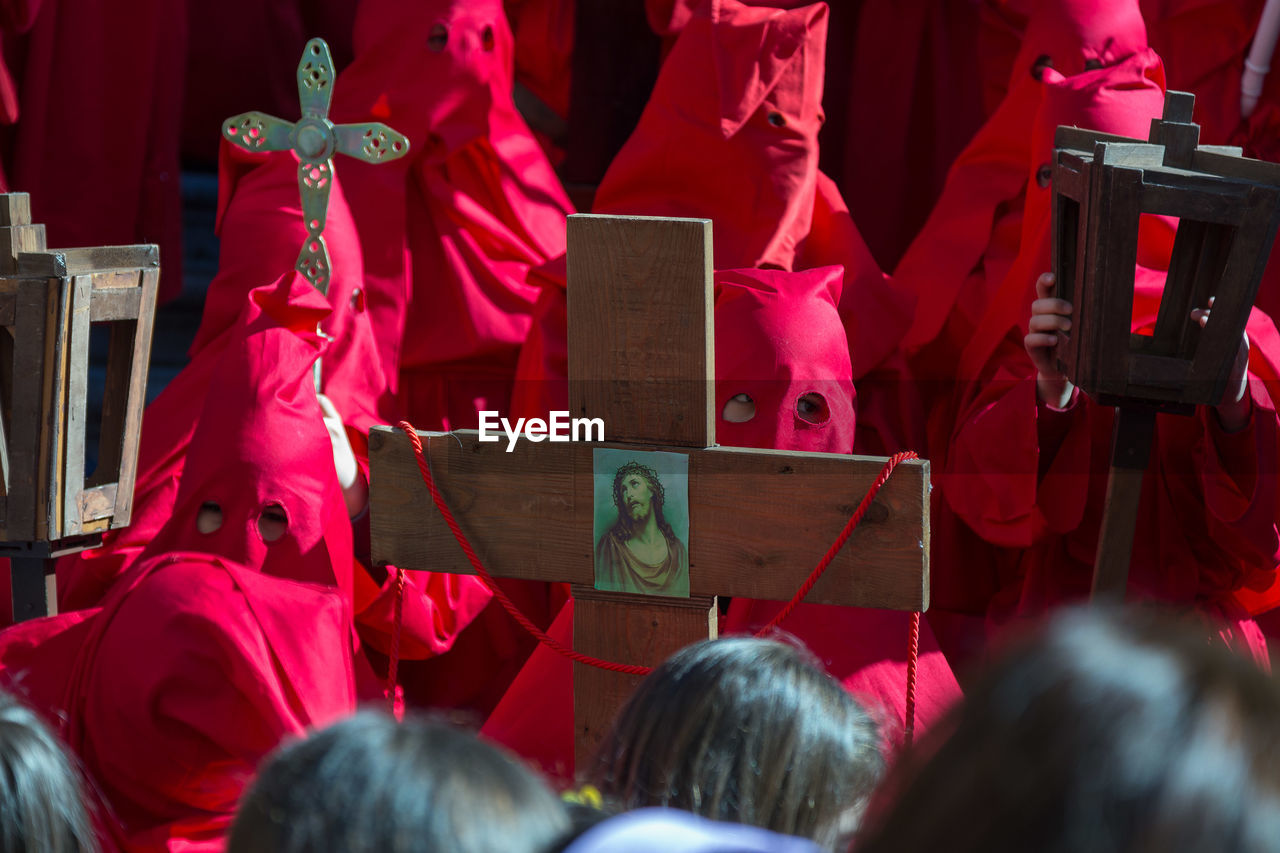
<point x="744" y="730"/>
<point x="371" y="784"/>
<point x="41" y="800"/>
<point x="1107" y="732"/>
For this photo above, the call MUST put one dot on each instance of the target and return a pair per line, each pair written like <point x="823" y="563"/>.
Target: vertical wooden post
<point x="1130" y="452"/>
<point x="641" y="358"/>
<point x="629" y="629"/>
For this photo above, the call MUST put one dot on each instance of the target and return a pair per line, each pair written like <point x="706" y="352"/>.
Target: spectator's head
<point x="41" y="798"/>
<point x="745" y="730"/>
<point x="371" y="784"/>
<point x="1107" y="732"/>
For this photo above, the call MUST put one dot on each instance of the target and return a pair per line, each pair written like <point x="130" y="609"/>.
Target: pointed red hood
<point x="435" y="70"/>
<point x="780" y="341"/>
<point x="449" y="232"/>
<point x="261" y="231"/>
<point x="731" y="132"/>
<point x="1120" y="99"/>
<point x="992" y="171"/>
<point x="260" y="441"/>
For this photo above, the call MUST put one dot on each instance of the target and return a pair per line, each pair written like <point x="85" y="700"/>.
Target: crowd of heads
<point x="1101" y="731"/>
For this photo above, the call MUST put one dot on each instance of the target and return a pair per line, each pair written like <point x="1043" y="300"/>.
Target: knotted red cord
<point x="397" y="626"/>
<point x="560" y="648"/>
<point x="913" y="651"/>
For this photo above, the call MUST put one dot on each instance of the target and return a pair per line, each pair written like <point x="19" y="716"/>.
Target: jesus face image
<point x="637" y="550"/>
<point x="637" y="496"/>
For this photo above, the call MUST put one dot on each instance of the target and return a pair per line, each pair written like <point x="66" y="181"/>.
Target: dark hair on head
<point x="41" y="799"/>
<point x="745" y="730"/>
<point x="371" y="784"/>
<point x="1108" y="731"/>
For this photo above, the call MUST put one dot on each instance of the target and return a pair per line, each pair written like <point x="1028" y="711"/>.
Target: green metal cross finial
<point x="315" y="139"/>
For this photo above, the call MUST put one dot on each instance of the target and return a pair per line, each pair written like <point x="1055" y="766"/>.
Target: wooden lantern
<point x="49" y="299"/>
<point x="1228" y="209"/>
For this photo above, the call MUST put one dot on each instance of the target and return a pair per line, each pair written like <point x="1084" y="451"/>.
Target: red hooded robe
<point x="210" y="659"/>
<point x="730" y="133"/>
<point x="1021" y="487"/>
<point x="966" y="247"/>
<point x="449" y="235"/>
<point x="450" y="232"/>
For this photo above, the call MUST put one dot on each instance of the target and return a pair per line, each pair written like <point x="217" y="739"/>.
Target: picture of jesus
<point x="638" y="549"/>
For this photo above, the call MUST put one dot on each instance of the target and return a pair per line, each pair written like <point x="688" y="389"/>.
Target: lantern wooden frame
<point x="49" y="300"/>
<point x="1228" y="208"/>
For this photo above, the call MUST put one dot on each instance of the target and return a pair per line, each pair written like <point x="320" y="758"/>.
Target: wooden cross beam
<point x="640" y="358"/>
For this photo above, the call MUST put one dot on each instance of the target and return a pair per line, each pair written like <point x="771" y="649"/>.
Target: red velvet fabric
<point x="781" y="338"/>
<point x="450" y="232"/>
<point x="96" y="145"/>
<point x="192" y="670"/>
<point x="757" y="112"/>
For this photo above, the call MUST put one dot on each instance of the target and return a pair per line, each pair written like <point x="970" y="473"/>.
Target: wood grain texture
<point x="135" y="345"/>
<point x="100" y="259"/>
<point x="640" y="327"/>
<point x="32" y="327"/>
<point x="760" y="519"/>
<point x="77" y="403"/>
<point x="1235" y="289"/>
<point x="15" y="209"/>
<point x="1110" y="299"/>
<point x="628" y="629"/>
<point x="16" y="240"/>
<point x="115" y="303"/>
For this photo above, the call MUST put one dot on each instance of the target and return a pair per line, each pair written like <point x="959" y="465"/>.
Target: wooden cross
<point x="640" y="358"/>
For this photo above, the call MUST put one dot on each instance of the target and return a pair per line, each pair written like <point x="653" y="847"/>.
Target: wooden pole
<point x="1130" y="452"/>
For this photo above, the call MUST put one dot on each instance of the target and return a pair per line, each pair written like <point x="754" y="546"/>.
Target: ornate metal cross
<point x="315" y="139"/>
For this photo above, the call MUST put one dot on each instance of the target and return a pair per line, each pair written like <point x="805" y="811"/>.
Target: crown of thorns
<point x="655" y="485"/>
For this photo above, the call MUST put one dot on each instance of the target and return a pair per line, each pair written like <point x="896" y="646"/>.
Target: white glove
<point x="354" y="489"/>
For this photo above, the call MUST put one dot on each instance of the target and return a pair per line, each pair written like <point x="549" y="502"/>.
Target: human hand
<point x="355" y="491"/>
<point x="1236" y="406"/>
<point x="1049" y="316"/>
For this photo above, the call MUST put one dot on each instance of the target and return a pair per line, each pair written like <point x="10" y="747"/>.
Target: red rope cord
<point x="630" y="669"/>
<point x="913" y="652"/>
<point x="849" y="527"/>
<point x="397" y="626"/>
<point x="507" y="604"/>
